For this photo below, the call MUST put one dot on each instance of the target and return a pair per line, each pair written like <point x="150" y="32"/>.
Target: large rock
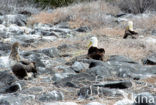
<point x="150" y="60"/>
<point x="66" y="47"/>
<point x="83" y="29"/>
<point x="36" y="57"/>
<point x="4" y="62"/>
<point x="79" y="66"/>
<point x="124" y="67"/>
<point x="19" y="20"/>
<point x="65" y="69"/>
<point x="115" y="85"/>
<point x="13" y="88"/>
<point x="86" y="92"/>
<point x="48" y="33"/>
<point x="33" y="90"/>
<point x="5" y="47"/>
<point x="6" y="78"/>
<point x="95" y="63"/>
<point x="76" y="81"/>
<point x="120" y="58"/>
<point x="51" y="52"/>
<point x="15" y="30"/>
<point x="25" y="12"/>
<point x="9" y="83"/>
<point x="60" y="76"/>
<point x="101" y="71"/>
<point x="154" y="32"/>
<point x="3" y="102"/>
<point x="148" y="69"/>
<point x="41" y="59"/>
<point x="127" y="70"/>
<point x="14" y="99"/>
<point x="51" y="96"/>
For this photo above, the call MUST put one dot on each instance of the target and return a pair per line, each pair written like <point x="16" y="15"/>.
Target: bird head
<point x="93" y="42"/>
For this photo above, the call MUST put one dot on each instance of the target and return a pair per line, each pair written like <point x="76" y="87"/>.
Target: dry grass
<point x="91" y="14"/>
<point x="134" y="49"/>
<point x="151" y="80"/>
<point x="45" y="17"/>
<point x="58" y="42"/>
<point x="147" y="23"/>
<point x="112" y="32"/>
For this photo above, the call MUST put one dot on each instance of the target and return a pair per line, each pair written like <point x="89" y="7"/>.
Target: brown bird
<point x="93" y="51"/>
<point x="129" y="31"/>
<point x="23" y="69"/>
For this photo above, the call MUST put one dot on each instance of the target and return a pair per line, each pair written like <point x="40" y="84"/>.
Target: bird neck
<point x="15" y="55"/>
<point x="130" y="27"/>
<point x="94" y="44"/>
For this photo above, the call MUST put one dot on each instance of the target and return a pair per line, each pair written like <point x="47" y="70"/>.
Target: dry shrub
<point x="78" y="23"/>
<point x="45" y="17"/>
<point x="87" y="13"/>
<point x="150" y="79"/>
<point x="137" y="6"/>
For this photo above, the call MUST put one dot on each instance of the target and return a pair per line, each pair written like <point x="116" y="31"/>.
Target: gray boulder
<point x="76" y="81"/>
<point x="51" y="52"/>
<point x="60" y="76"/>
<point x="6" y="47"/>
<point x="115" y="85"/>
<point x="6" y="78"/>
<point x="121" y="58"/>
<point x="14" y="99"/>
<point x="86" y="92"/>
<point x="101" y="71"/>
<point x="19" y="20"/>
<point x="154" y="32"/>
<point x="79" y="66"/>
<point x="3" y="102"/>
<point x="51" y="96"/>
<point x="83" y="29"/>
<point x="150" y="60"/>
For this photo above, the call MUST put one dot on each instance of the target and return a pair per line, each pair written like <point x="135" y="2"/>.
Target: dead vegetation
<point x="95" y="15"/>
<point x="147" y="23"/>
<point x="88" y="14"/>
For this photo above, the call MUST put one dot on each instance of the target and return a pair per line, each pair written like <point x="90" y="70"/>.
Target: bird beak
<point x="90" y="43"/>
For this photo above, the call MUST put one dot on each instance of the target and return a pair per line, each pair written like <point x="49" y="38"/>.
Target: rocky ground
<point x="64" y="74"/>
